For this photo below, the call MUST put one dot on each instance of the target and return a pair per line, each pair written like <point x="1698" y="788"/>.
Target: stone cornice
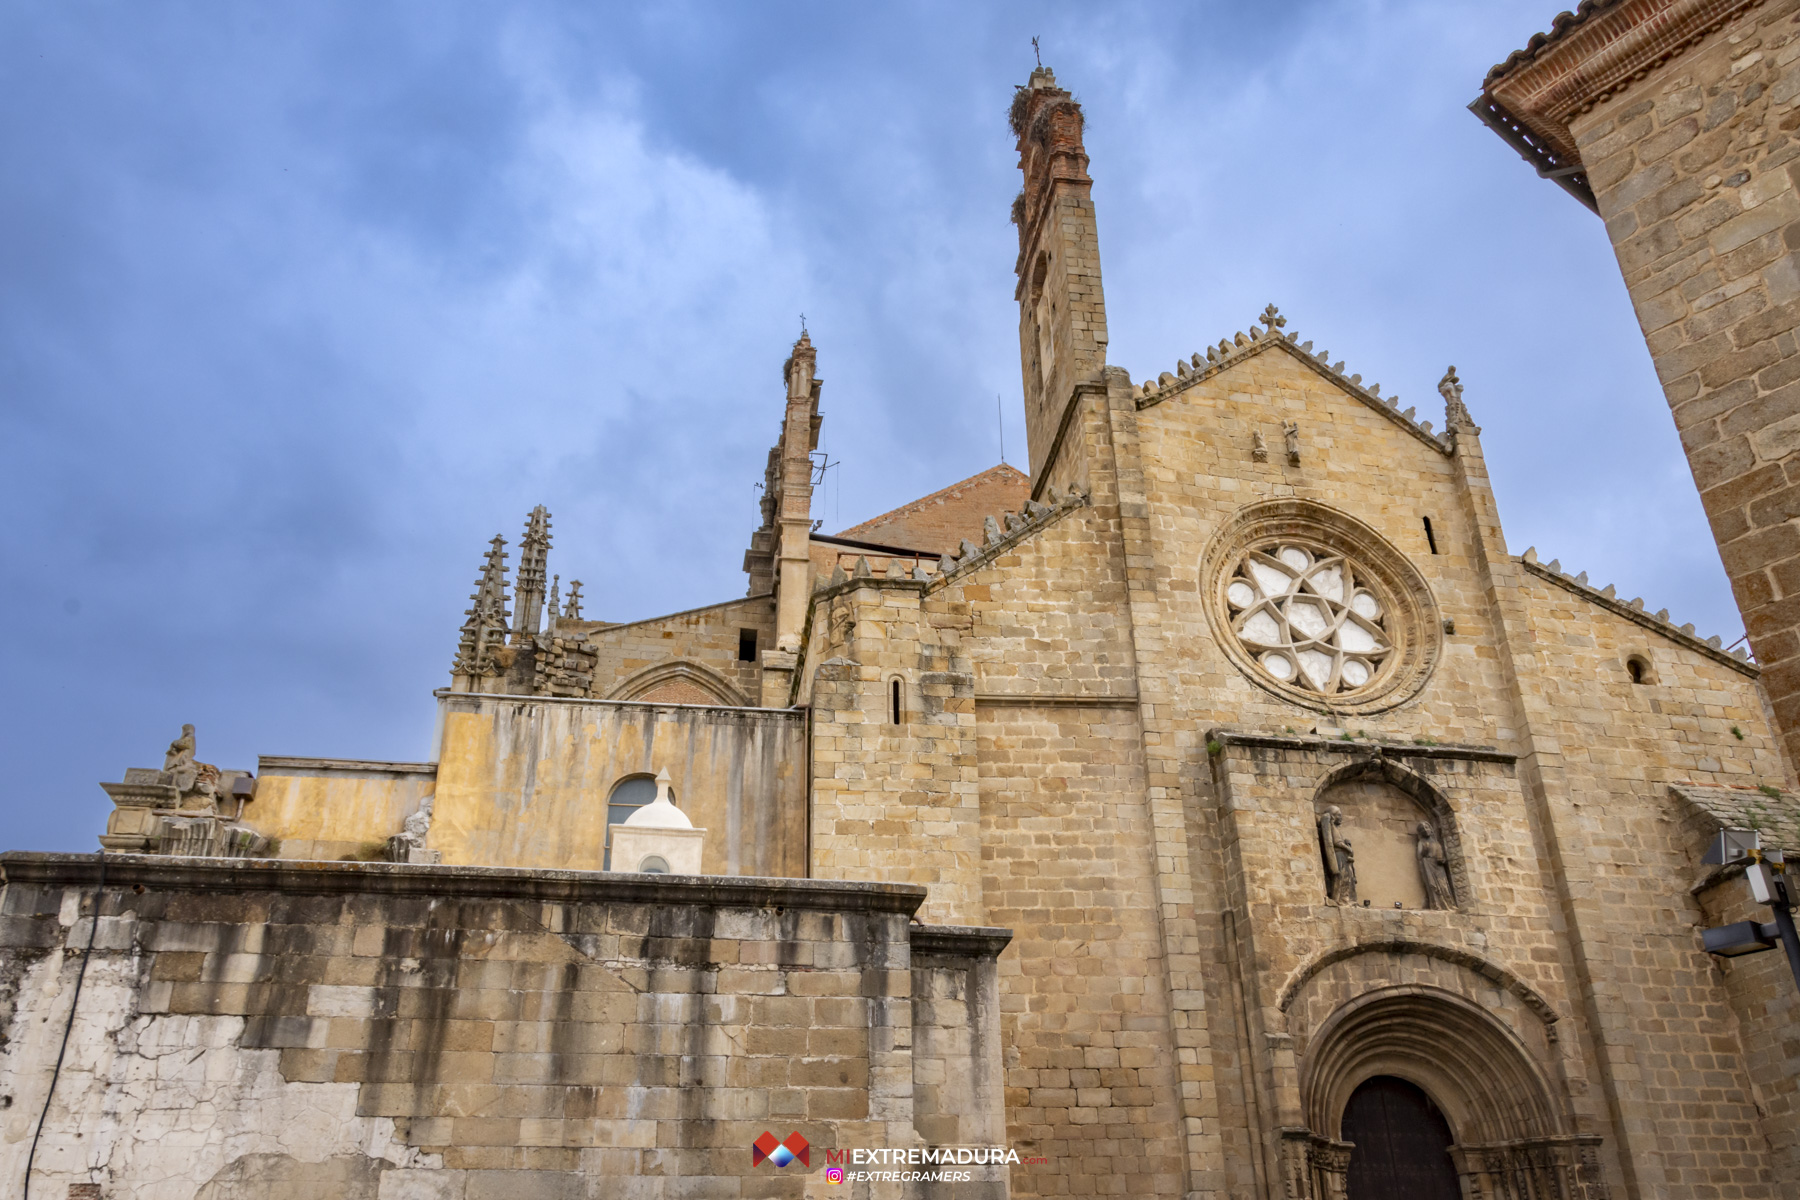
<point x="1596" y="52"/>
<point x="741" y="710"/>
<point x="962" y="941"/>
<point x="303" y="877"/>
<point x="1052" y="700"/>
<point x="1370" y="747"/>
<point x="276" y="764"/>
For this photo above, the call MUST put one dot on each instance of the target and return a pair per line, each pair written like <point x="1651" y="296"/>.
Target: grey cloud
<point x="298" y="307"/>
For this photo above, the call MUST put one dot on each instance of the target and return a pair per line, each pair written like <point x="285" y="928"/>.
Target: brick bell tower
<point x="1062" y="311"/>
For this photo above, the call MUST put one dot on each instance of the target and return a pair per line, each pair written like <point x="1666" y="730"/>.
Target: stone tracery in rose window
<point x="1308" y="617"/>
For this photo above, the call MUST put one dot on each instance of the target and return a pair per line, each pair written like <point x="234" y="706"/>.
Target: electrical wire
<point x="68" y="1026"/>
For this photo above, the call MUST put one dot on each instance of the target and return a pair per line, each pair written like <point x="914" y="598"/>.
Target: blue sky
<point x="300" y="305"/>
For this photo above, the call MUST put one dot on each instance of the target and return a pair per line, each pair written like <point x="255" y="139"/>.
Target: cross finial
<point x="1272" y="318"/>
<point x="802" y="322"/>
<point x="1036" y="52"/>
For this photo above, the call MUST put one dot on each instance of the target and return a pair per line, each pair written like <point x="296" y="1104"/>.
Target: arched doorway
<point x="1513" y="1135"/>
<point x="1402" y="1144"/>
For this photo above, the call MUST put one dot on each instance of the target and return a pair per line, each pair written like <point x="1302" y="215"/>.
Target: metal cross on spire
<point x="1038" y="53"/>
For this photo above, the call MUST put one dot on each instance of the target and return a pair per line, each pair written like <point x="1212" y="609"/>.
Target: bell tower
<point x="1062" y="311"/>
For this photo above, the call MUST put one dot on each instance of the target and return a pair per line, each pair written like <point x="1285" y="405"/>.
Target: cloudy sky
<point x="299" y="305"/>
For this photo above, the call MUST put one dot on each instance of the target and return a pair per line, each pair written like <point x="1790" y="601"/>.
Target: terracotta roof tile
<point x="938" y="522"/>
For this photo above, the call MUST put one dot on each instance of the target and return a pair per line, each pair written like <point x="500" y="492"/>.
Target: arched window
<point x="895" y="712"/>
<point x="1638" y="667"/>
<point x="627" y="797"/>
<point x="654" y="864"/>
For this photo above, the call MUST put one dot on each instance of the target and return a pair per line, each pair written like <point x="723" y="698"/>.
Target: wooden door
<point x="1402" y="1144"/>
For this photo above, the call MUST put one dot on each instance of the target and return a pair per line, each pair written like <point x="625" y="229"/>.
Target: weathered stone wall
<point x="330" y="809"/>
<point x="1693" y="166"/>
<point x="524" y="781"/>
<point x="368" y="1031"/>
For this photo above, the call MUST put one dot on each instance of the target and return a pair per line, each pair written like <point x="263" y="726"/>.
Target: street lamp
<point x="1766" y="871"/>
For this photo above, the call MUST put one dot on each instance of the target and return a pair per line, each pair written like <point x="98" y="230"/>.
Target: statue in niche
<point x="1434" y="868"/>
<point x="1290" y="433"/>
<point x="1340" y="857"/>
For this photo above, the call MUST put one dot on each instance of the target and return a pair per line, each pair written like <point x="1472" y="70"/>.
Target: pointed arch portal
<point x="1382" y="1068"/>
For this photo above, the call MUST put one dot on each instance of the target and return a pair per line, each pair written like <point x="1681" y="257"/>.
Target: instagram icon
<point x="834" y="1174"/>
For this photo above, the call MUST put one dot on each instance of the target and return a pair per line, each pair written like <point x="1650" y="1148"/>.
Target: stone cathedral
<point x="1222" y="810"/>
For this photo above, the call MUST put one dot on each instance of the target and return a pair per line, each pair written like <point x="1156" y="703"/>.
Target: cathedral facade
<point x="1220" y="810"/>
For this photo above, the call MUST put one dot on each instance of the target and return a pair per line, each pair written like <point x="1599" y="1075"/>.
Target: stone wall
<point x="524" y="781"/>
<point x="331" y="808"/>
<point x="643" y="660"/>
<point x="1765" y="1008"/>
<point x="369" y="1030"/>
<point x="1687" y="130"/>
<point x="893" y="801"/>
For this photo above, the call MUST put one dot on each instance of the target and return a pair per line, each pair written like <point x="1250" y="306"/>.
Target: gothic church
<point x="1221" y="810"/>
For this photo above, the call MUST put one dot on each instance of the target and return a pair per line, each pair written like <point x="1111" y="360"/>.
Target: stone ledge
<point x="742" y="710"/>
<point x="494" y="883"/>
<point x="1317" y="743"/>
<point x="965" y="941"/>
<point x="278" y="764"/>
<point x="1052" y="700"/>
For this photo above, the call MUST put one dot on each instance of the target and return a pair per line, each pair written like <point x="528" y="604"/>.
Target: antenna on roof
<point x="1040" y="61"/>
<point x="1000" y="415"/>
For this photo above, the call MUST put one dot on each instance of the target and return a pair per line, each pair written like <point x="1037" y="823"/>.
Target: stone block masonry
<point x="1682" y="117"/>
<point x="374" y="1030"/>
<point x="1695" y="170"/>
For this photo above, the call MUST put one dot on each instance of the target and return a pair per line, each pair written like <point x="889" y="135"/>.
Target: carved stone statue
<point x="1290" y="433"/>
<point x="186" y="808"/>
<point x="1339" y="856"/>
<point x="1259" y="449"/>
<point x="1434" y="868"/>
<point x="409" y="844"/>
<point x="181" y="750"/>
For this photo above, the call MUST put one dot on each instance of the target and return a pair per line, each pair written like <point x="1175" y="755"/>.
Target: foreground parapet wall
<point x="367" y="1030"/>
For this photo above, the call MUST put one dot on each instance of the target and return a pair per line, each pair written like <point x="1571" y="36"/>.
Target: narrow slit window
<point x="1430" y="537"/>
<point x="894" y="702"/>
<point x="746" y="645"/>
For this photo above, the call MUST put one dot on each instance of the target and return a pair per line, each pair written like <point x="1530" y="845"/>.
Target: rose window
<point x="1308" y="617"/>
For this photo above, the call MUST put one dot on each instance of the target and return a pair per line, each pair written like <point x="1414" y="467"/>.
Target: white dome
<point x="661" y="812"/>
